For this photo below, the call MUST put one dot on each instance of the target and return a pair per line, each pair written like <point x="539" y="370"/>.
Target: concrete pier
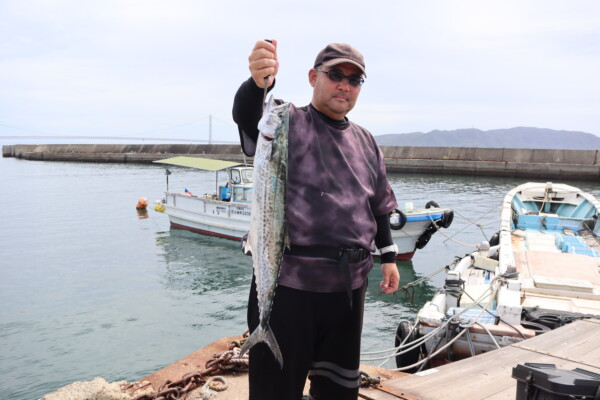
<point x="486" y="376"/>
<point x="578" y="165"/>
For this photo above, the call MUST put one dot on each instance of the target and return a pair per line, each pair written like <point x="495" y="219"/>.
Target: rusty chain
<point x="226" y="361"/>
<point x="229" y="361"/>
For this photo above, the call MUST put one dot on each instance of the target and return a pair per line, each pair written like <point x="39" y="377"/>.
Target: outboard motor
<point x="453" y="286"/>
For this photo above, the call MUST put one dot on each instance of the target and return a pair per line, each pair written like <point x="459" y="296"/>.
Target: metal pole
<point x="167" y="173"/>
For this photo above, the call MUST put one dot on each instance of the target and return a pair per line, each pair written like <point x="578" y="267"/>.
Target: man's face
<point x="334" y="99"/>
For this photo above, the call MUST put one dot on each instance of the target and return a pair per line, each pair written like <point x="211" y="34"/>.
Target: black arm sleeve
<point x="247" y="111"/>
<point x="383" y="238"/>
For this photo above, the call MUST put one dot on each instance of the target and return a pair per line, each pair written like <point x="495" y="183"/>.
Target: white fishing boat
<point x="226" y="211"/>
<point x="540" y="271"/>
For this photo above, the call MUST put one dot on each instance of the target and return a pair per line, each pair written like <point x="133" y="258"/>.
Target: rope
<point x="451" y="238"/>
<point x="495" y="285"/>
<point x="212" y="386"/>
<point x="464" y="327"/>
<point x="479" y="225"/>
<point x="424" y="278"/>
<point x="410" y="286"/>
<point x="366" y="380"/>
<point x="499" y="319"/>
<point x="404" y="340"/>
<point x="489" y="333"/>
<point x="544" y="200"/>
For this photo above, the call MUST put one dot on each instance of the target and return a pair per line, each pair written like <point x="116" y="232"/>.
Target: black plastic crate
<point x="546" y="382"/>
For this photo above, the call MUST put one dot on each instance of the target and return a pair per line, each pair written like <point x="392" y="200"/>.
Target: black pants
<point x="319" y="337"/>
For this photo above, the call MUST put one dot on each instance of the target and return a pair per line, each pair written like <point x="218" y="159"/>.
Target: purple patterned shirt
<point x="337" y="184"/>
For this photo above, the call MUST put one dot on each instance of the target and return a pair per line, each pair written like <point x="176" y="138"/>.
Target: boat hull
<point x="542" y="274"/>
<point x="208" y="216"/>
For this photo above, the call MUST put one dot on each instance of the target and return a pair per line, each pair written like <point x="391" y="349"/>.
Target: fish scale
<point x="267" y="237"/>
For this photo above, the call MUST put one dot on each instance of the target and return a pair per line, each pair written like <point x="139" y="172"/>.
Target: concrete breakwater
<point x="119" y="153"/>
<point x="564" y="165"/>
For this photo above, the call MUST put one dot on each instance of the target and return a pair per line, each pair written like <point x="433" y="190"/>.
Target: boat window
<point x="235" y="176"/>
<point x="247" y="175"/>
<point x="242" y="194"/>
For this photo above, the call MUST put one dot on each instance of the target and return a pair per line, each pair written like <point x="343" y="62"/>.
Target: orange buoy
<point x="142" y="203"/>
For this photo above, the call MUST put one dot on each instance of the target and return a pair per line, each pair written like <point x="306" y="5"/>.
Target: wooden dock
<point x="485" y="377"/>
<point x="489" y="376"/>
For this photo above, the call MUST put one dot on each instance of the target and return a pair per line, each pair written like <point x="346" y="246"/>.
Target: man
<point x="338" y="201"/>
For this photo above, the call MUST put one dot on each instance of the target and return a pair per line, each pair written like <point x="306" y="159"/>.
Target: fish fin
<point x="265" y="335"/>
<point x="247" y="249"/>
<point x="245" y="243"/>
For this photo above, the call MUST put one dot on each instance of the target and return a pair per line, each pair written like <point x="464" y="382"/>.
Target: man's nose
<point x="344" y="85"/>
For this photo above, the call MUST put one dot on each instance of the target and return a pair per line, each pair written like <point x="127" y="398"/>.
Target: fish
<point x="267" y="236"/>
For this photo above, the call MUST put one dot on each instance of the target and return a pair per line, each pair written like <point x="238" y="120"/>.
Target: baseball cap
<point x="338" y="53"/>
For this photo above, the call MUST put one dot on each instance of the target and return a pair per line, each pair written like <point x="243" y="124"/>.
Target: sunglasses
<point x="336" y="76"/>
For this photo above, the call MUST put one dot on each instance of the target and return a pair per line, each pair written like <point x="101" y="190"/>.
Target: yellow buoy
<point x="142" y="203"/>
<point x="159" y="207"/>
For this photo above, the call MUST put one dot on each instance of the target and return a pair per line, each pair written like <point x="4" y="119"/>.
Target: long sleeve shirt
<point x="337" y="185"/>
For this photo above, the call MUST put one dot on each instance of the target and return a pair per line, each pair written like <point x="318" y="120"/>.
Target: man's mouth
<point x="340" y="96"/>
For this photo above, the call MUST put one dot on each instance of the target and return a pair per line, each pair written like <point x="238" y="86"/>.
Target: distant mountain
<point x="520" y="137"/>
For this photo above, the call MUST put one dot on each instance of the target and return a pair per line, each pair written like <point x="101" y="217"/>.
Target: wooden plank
<point x="575" y="342"/>
<point x="374" y="394"/>
<point x="489" y="376"/>
<point x="558" y="265"/>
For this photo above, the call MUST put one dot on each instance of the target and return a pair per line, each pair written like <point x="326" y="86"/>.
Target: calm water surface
<point x="89" y="287"/>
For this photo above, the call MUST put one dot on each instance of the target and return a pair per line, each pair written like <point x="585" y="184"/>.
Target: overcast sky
<point x="158" y="69"/>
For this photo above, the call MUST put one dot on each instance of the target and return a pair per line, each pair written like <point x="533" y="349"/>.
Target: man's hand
<point x="391" y="278"/>
<point x="263" y="62"/>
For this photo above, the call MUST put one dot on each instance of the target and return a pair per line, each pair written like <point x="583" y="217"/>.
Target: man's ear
<point x="312" y="77"/>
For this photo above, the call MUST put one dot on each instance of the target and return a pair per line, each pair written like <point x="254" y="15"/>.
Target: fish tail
<point x="263" y="334"/>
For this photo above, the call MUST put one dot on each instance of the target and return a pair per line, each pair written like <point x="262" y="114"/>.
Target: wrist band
<point x="389" y="249"/>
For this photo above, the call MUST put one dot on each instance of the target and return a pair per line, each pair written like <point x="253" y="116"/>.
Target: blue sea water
<point x="91" y="287"/>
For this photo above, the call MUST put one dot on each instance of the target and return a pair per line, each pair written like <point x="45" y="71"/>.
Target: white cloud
<point x="133" y="66"/>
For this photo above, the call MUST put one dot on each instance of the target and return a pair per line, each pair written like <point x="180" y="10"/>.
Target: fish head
<point x="270" y="120"/>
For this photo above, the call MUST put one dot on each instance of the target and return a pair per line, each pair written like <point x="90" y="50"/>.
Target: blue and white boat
<point x="539" y="272"/>
<point x="226" y="211"/>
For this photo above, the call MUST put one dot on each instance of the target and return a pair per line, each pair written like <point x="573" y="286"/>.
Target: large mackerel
<point x="267" y="238"/>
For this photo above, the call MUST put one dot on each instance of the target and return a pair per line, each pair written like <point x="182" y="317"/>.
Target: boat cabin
<point x="237" y="188"/>
<point x="239" y="185"/>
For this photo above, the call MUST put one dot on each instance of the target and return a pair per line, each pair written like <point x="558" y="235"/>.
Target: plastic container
<point x="546" y="382"/>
